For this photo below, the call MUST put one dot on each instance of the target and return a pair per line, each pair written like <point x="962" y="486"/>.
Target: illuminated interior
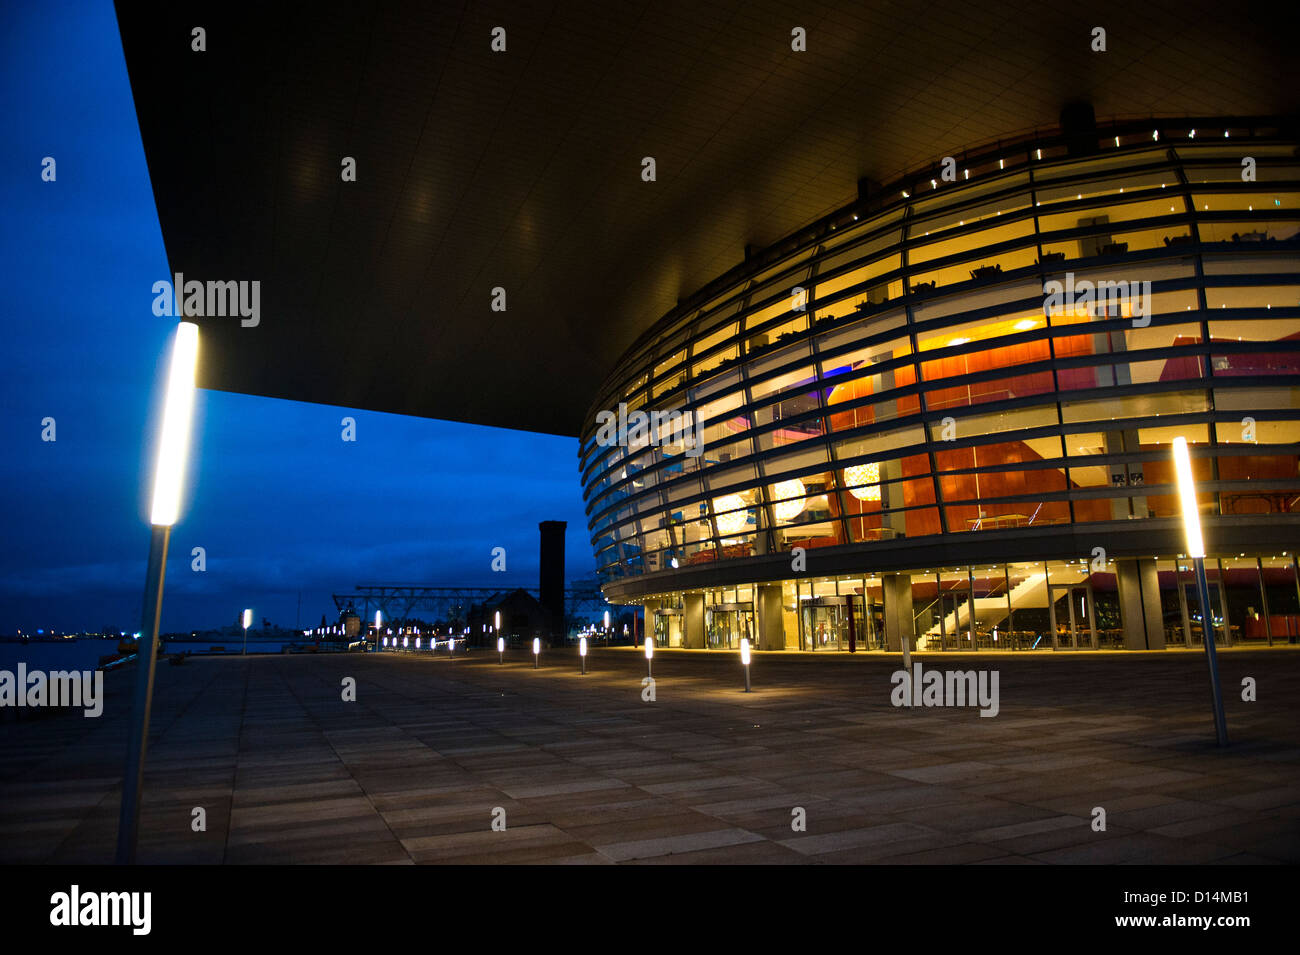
<point x="907" y="376"/>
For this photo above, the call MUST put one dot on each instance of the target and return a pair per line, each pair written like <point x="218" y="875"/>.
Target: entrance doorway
<point x="832" y="623"/>
<point x="668" y="628"/>
<point x="1074" y="624"/>
<point x="726" y="624"/>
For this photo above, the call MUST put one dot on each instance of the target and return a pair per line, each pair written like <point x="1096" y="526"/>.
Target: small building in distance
<point x="522" y="618"/>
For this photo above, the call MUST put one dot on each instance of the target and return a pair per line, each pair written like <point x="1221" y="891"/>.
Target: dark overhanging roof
<point x="522" y="170"/>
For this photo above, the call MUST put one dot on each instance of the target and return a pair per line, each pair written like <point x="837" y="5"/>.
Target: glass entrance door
<point x="1073" y="619"/>
<point x="824" y="624"/>
<point x="726" y="624"/>
<point x="668" y="628"/>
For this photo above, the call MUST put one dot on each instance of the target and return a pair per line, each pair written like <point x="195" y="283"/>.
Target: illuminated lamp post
<point x="537" y="650"/>
<point x="169" y="473"/>
<point x="649" y="654"/>
<point x="501" y="650"/>
<point x="744" y="659"/>
<point x="582" y="653"/>
<point x="1196" y="551"/>
<point x="248" y="621"/>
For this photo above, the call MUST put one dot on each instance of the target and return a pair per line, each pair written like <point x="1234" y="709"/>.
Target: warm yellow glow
<point x="248" y="618"/>
<point x="169" y="471"/>
<point x="744" y="650"/>
<point x="734" y="522"/>
<point x="864" y="474"/>
<point x="1187" y="496"/>
<point x="959" y="341"/>
<point x="788" y="510"/>
<point x="649" y="647"/>
<point x="582" y="647"/>
<point x="1025" y="324"/>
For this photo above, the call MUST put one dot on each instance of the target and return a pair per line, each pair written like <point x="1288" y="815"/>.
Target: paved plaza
<point x="586" y="771"/>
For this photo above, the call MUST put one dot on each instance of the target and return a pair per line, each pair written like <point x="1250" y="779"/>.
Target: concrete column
<point x="648" y="611"/>
<point x="896" y="590"/>
<point x="1150" y="624"/>
<point x="771" y="623"/>
<point x="693" y="622"/>
<point x="1128" y="579"/>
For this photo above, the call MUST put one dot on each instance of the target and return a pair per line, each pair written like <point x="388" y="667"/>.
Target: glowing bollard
<point x="744" y="659"/>
<point x="537" y="651"/>
<point x="501" y="650"/>
<point x="582" y="654"/>
<point x="649" y="655"/>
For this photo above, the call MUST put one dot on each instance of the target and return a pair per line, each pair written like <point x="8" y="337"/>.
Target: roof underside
<point x="522" y="170"/>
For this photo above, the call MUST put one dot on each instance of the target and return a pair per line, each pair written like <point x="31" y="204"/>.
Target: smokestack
<point x="1079" y="124"/>
<point x="551" y="576"/>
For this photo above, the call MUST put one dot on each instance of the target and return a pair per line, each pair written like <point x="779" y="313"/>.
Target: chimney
<point x="551" y="577"/>
<point x="1079" y="124"/>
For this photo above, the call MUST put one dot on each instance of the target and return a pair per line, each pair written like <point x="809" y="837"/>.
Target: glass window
<point x="1134" y="406"/>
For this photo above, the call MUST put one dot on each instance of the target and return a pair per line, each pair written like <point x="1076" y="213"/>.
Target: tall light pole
<point x="169" y="474"/>
<point x="1196" y="551"/>
<point x="248" y="619"/>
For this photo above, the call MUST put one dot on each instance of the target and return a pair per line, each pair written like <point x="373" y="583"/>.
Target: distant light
<point x="497" y="618"/>
<point x="606" y="619"/>
<point x="406" y="641"/>
<point x="1039" y="153"/>
<point x="905" y="195"/>
<point x="1192" y="134"/>
<point x="169" y="470"/>
<point x="379" y="619"/>
<point x="417" y="643"/>
<point x="1155" y="134"/>
<point x="248" y="618"/>
<point x="1187" y="495"/>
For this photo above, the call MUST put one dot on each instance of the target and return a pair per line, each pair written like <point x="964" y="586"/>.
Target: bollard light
<point x="649" y="654"/>
<point x="582" y="653"/>
<point x="248" y="619"/>
<point x="501" y="650"/>
<point x="417" y="643"/>
<point x="537" y="650"/>
<point x="1196" y="550"/>
<point x="744" y="659"/>
<point x="405" y="642"/>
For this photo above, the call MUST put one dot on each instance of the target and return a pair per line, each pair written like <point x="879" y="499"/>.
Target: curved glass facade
<point x="1007" y="353"/>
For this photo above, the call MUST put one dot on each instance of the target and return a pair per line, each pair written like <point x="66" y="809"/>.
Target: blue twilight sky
<point x="278" y="501"/>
